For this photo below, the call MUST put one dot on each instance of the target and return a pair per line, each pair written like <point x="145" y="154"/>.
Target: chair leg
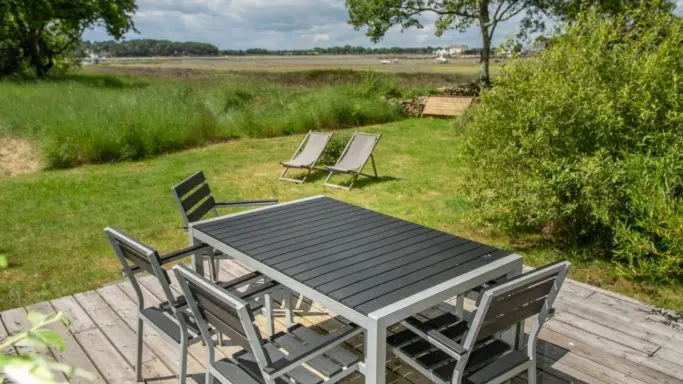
<point x="138" y="358"/>
<point x="355" y="177"/>
<point x="216" y="267"/>
<point x="374" y="169"/>
<point x="306" y="176"/>
<point x="289" y="312"/>
<point x="460" y="306"/>
<point x="268" y="313"/>
<point x="532" y="379"/>
<point x="327" y="180"/>
<point x="283" y="173"/>
<point x="213" y="270"/>
<point x="208" y="378"/>
<point x="182" y="372"/>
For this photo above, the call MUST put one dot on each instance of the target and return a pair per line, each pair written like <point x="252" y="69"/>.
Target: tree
<point x="460" y="15"/>
<point x="583" y="143"/>
<point x="45" y="31"/>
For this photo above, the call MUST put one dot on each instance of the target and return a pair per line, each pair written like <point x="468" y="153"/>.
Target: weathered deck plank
<point x="595" y="337"/>
<point x="122" y="337"/>
<point x="15" y="321"/>
<point x="109" y="362"/>
<point x="73" y="351"/>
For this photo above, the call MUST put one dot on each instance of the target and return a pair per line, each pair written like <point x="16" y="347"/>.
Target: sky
<point x="280" y="24"/>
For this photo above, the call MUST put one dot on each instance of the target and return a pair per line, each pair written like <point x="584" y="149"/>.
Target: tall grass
<point x="77" y="122"/>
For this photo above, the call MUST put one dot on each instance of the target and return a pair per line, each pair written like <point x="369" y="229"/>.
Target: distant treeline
<point x="149" y="47"/>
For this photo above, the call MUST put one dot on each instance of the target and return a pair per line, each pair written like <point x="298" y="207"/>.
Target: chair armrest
<point x="181" y="253"/>
<point x="245" y="203"/>
<point x="176" y="255"/>
<point x="445" y="344"/>
<point x="327" y="342"/>
<point x="435" y="338"/>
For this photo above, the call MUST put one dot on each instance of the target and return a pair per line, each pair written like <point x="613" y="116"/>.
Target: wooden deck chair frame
<point x="216" y="307"/>
<point x="358" y="173"/>
<point x="499" y="307"/>
<point x="172" y="319"/>
<point x="298" y="150"/>
<point x="195" y="201"/>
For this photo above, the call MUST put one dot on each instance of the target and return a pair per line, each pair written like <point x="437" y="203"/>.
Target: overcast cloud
<point x="278" y="24"/>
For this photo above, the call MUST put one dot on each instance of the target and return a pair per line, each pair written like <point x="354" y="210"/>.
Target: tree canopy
<point x="39" y="33"/>
<point x="583" y="143"/>
<point x="381" y="15"/>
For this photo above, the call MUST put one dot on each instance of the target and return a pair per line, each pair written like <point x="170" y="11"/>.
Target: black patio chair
<point x="453" y="349"/>
<point x="172" y="319"/>
<point x="196" y="202"/>
<point x="310" y="358"/>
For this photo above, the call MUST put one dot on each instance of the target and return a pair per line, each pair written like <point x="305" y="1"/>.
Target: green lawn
<point x="51" y="224"/>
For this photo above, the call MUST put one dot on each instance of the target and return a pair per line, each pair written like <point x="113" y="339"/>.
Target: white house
<point x="441" y="52"/>
<point x="457" y="49"/>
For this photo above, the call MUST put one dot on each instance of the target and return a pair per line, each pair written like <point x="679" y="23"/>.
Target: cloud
<point x="275" y="24"/>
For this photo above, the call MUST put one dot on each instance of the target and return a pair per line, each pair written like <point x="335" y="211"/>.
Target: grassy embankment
<point x="99" y="118"/>
<point x="52" y="221"/>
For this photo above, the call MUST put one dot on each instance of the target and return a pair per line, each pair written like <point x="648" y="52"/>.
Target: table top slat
<point x="418" y="285"/>
<point x="373" y="265"/>
<point x="393" y="277"/>
<point x="350" y="229"/>
<point x="276" y="223"/>
<point x="303" y="228"/>
<point x="340" y="258"/>
<point x="259" y="217"/>
<point x="342" y="246"/>
<point x="362" y="259"/>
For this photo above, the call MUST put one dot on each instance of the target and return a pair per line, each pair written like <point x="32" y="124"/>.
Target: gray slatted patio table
<point x="370" y="268"/>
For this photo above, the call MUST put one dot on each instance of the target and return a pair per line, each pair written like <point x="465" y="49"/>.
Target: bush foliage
<point x="585" y="142"/>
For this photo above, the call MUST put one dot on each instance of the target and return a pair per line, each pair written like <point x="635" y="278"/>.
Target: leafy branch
<point x="31" y="367"/>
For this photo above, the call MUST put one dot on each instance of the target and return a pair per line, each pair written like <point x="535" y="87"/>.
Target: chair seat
<point x="409" y="345"/>
<point x="296" y="164"/>
<point x="294" y="341"/>
<point x="341" y="170"/>
<point x="166" y="322"/>
<point x="162" y="315"/>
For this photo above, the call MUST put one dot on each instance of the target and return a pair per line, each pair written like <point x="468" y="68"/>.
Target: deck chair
<point x="172" y="319"/>
<point x="306" y="156"/>
<point x="451" y="349"/>
<point x="196" y="202"/>
<point x="263" y="361"/>
<point x="354" y="157"/>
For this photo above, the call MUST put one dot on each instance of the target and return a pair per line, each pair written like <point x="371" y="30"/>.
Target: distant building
<point x="441" y="52"/>
<point x="457" y="49"/>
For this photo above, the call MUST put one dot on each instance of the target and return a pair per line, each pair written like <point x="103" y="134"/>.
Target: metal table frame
<point x="377" y="322"/>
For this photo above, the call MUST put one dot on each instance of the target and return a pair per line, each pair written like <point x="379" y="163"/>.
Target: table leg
<point x="197" y="258"/>
<point x="375" y="352"/>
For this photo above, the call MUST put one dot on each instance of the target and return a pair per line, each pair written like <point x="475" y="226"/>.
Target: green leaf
<point x="50" y="338"/>
<point x="36" y="318"/>
<point x="4" y="263"/>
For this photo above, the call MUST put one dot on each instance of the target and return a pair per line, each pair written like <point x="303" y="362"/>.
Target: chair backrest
<point x="508" y="303"/>
<point x="358" y="151"/>
<point x="511" y="302"/>
<point x="314" y="146"/>
<point x="135" y="257"/>
<point x="194" y="198"/>
<point x="228" y="314"/>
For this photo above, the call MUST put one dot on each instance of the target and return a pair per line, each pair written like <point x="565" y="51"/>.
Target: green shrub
<point x="334" y="149"/>
<point x="585" y="142"/>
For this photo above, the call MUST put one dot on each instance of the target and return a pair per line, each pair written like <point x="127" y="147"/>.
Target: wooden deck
<point x="595" y="337"/>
